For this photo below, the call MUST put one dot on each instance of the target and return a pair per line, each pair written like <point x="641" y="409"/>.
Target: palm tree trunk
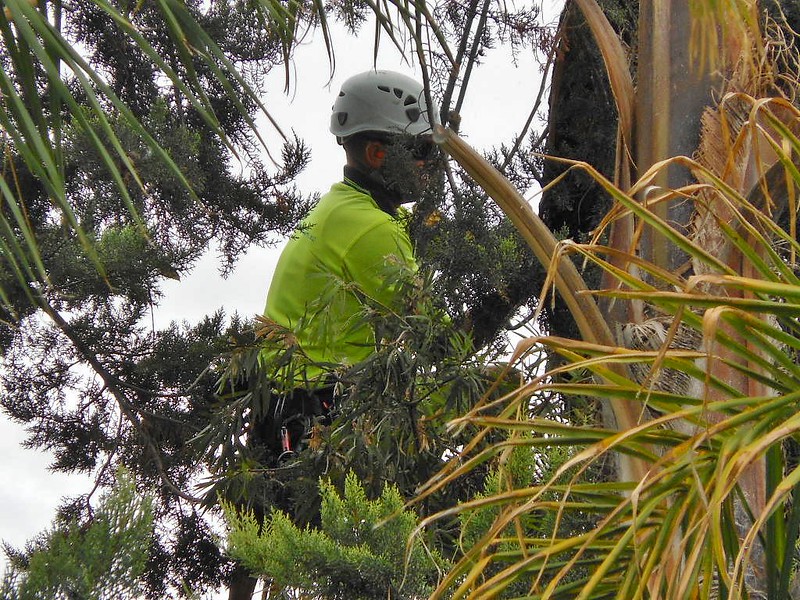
<point x="672" y="93"/>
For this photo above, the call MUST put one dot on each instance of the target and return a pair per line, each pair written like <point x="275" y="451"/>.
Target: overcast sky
<point x="497" y="107"/>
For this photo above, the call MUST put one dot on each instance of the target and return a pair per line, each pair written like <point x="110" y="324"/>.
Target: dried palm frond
<point x="659" y="334"/>
<point x="737" y="142"/>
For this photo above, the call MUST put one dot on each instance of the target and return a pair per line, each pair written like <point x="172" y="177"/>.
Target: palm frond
<point x="692" y="525"/>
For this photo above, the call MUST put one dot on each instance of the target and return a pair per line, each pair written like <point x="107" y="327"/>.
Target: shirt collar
<point x="368" y="184"/>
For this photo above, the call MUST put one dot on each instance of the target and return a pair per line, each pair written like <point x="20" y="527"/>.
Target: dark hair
<point x="356" y="144"/>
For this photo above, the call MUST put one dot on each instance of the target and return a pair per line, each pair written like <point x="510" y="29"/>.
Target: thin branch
<point x="457" y="198"/>
<point x="473" y="56"/>
<point x="105" y="466"/>
<point x="462" y="49"/>
<point x="437" y="32"/>
<point x="110" y="382"/>
<point x="153" y="394"/>
<point x="423" y="65"/>
<point x="534" y="110"/>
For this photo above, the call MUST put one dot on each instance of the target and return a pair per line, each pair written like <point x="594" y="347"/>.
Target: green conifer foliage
<point x="363" y="549"/>
<point x="101" y="558"/>
<point x="142" y="184"/>
<point x="144" y="181"/>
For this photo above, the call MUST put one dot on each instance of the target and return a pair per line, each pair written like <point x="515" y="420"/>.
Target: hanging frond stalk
<point x="568" y="281"/>
<point x="621" y="235"/>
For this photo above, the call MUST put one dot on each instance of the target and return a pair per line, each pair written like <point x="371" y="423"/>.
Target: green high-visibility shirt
<point x="348" y="239"/>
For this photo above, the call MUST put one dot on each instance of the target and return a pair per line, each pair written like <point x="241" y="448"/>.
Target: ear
<point x="374" y="154"/>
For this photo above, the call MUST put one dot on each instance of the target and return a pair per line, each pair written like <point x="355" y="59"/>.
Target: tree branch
<point x="110" y="382"/>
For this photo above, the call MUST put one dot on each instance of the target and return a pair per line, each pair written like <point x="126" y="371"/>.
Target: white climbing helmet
<point x="380" y="101"/>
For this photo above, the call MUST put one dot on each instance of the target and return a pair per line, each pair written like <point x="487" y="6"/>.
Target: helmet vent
<point x="409" y="100"/>
<point x="413" y="114"/>
<point x="398" y="92"/>
<point x="384" y="88"/>
<point x="341" y="117"/>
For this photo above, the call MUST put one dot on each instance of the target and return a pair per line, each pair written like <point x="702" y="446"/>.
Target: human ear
<point x="374" y="154"/>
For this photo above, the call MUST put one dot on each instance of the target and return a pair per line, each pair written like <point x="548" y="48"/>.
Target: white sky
<point x="497" y="106"/>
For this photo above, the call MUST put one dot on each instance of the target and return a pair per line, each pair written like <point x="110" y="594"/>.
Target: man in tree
<point x="352" y="249"/>
<point x="356" y="234"/>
